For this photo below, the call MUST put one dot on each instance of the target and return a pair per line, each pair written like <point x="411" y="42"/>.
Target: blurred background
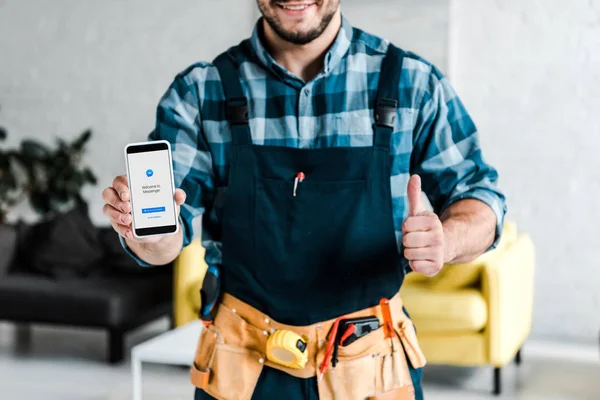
<point x="528" y="72"/>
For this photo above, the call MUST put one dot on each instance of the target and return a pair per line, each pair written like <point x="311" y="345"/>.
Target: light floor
<point x="68" y="364"/>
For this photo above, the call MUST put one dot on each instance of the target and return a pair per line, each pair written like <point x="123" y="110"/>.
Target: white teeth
<point x="295" y="8"/>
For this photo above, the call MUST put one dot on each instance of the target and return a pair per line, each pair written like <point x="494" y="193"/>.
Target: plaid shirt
<point x="433" y="131"/>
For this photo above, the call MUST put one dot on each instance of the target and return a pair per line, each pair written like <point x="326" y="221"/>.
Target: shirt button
<point x="306" y="91"/>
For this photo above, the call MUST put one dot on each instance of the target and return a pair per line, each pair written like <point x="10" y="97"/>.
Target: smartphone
<point x="151" y="188"/>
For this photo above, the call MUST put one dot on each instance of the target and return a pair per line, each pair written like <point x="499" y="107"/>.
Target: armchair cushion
<point x="437" y="311"/>
<point x="457" y="276"/>
<point x="194" y="295"/>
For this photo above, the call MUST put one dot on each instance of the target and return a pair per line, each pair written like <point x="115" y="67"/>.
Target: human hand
<point x="423" y="234"/>
<point x="118" y="208"/>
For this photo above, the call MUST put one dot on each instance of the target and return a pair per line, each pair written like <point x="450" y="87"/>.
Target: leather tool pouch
<point x="225" y="370"/>
<point x="373" y="368"/>
<point x="230" y="357"/>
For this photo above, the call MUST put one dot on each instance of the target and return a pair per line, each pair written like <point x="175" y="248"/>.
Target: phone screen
<point x="151" y="186"/>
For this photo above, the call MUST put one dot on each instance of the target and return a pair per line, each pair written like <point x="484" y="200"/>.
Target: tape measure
<point x="287" y="348"/>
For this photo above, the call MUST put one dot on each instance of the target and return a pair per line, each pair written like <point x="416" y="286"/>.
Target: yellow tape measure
<point x="287" y="348"/>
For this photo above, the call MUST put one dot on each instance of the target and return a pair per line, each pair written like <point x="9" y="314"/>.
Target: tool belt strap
<point x="264" y="322"/>
<point x="243" y="325"/>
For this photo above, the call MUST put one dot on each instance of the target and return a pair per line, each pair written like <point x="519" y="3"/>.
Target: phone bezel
<point x="145" y="147"/>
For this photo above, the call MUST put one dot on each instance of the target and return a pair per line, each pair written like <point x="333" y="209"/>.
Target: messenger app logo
<point x="149" y="173"/>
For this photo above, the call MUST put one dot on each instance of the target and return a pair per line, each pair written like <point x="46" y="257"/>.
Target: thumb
<point x="179" y="196"/>
<point x="415" y="201"/>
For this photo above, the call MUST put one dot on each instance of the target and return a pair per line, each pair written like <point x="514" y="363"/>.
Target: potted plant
<point x="12" y="192"/>
<point x="55" y="177"/>
<point x="52" y="180"/>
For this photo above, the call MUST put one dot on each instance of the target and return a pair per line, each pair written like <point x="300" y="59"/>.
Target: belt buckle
<point x="385" y="112"/>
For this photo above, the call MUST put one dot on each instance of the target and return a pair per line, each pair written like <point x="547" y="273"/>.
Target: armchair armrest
<point x="508" y="287"/>
<point x="189" y="269"/>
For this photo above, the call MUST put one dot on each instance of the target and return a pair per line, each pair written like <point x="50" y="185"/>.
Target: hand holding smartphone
<point x="151" y="187"/>
<point x="144" y="205"/>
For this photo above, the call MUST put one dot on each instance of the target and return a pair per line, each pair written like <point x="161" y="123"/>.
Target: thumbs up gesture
<point x="423" y="234"/>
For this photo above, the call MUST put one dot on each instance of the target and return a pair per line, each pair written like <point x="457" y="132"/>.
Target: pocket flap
<point x="205" y="348"/>
<point x="408" y="336"/>
<point x="234" y="372"/>
<point x="199" y="378"/>
<point x="403" y="393"/>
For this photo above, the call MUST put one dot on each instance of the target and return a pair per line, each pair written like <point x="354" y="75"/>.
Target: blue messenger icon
<point x="149" y="173"/>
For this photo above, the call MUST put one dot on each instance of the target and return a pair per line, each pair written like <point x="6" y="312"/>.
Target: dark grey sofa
<point x="116" y="295"/>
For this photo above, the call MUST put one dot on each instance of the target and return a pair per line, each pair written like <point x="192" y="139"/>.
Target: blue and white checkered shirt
<point x="433" y="131"/>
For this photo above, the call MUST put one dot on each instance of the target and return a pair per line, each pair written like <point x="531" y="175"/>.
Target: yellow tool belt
<point x="231" y="352"/>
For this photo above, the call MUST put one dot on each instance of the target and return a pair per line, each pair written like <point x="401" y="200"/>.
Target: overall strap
<point x="235" y="103"/>
<point x="386" y="104"/>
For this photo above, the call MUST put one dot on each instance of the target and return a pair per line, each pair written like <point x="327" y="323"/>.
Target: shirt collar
<point x="334" y="56"/>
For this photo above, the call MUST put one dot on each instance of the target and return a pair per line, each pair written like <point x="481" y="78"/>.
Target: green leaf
<point x="33" y="150"/>
<point x="82" y="140"/>
<point x="62" y="196"/>
<point x="40" y="202"/>
<point x="89" y="176"/>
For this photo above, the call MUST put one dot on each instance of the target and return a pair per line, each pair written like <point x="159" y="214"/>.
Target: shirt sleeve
<point x="178" y="122"/>
<point x="447" y="154"/>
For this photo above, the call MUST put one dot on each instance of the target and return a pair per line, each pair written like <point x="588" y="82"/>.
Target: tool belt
<point x="231" y="354"/>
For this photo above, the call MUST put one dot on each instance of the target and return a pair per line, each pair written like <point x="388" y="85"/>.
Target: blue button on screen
<point x="149" y="173"/>
<point x="153" y="210"/>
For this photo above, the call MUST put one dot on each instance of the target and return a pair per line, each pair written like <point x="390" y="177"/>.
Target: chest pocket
<point x="301" y="238"/>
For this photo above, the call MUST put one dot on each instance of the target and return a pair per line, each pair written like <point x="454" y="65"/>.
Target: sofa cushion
<point x="8" y="246"/>
<point x="436" y="311"/>
<point x="63" y="246"/>
<point x="110" y="301"/>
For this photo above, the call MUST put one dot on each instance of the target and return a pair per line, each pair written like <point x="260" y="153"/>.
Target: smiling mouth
<point x="295" y="6"/>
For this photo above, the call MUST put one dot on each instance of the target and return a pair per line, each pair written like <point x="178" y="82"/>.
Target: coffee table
<point x="175" y="347"/>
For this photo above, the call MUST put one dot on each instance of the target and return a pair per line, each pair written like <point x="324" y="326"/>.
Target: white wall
<point x="66" y="65"/>
<point x="529" y="72"/>
<point x="416" y="25"/>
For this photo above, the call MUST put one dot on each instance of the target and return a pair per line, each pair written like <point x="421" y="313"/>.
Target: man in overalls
<point x="306" y="147"/>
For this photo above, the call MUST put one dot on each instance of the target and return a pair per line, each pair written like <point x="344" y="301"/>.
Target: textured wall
<point x="66" y="65"/>
<point x="529" y="71"/>
<point x="416" y="25"/>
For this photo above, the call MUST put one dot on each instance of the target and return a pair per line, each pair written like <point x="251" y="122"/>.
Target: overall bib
<point x="311" y="251"/>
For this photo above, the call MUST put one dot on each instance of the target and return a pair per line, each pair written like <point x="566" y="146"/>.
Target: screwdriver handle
<point x="209" y="294"/>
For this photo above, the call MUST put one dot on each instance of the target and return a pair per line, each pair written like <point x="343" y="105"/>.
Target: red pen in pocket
<point x="299" y="178"/>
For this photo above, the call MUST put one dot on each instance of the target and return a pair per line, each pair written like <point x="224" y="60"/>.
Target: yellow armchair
<point x="189" y="271"/>
<point x="479" y="313"/>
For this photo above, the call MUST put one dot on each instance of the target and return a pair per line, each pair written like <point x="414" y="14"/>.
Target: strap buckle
<point x="237" y="111"/>
<point x="385" y="112"/>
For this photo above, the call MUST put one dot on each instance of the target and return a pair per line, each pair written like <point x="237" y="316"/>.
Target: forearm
<point x="159" y="253"/>
<point x="469" y="230"/>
